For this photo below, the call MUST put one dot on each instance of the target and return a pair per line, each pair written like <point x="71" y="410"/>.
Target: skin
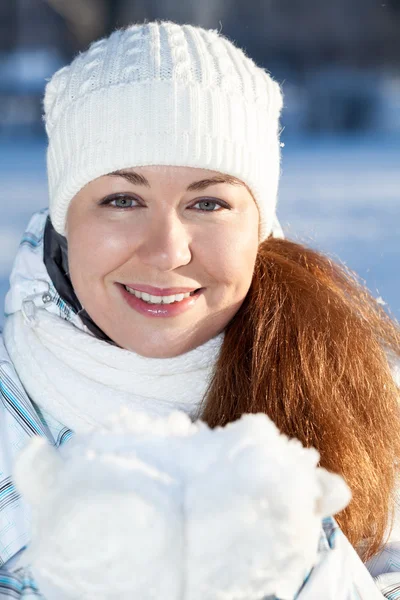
<point x="163" y="238"/>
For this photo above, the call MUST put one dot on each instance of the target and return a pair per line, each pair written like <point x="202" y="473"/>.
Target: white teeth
<point x="157" y="299"/>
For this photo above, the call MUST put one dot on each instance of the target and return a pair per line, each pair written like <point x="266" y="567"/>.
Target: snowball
<point x="165" y="508"/>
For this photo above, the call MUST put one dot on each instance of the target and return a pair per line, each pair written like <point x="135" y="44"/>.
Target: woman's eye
<point x="120" y="202"/>
<point x="209" y="205"/>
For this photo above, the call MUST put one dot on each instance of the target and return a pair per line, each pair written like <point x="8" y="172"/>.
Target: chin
<point x="161" y="346"/>
<point x="156" y="351"/>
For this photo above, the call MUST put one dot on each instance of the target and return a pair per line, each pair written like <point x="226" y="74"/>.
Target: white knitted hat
<point x="162" y="94"/>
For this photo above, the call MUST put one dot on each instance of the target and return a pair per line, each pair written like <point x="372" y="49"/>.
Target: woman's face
<point x="164" y="232"/>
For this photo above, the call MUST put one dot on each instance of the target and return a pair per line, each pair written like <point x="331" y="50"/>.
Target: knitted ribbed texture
<point x="162" y="94"/>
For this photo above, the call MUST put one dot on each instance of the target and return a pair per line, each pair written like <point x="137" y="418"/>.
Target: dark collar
<point x="55" y="256"/>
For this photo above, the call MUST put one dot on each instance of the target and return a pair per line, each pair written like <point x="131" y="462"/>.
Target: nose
<point x="166" y="244"/>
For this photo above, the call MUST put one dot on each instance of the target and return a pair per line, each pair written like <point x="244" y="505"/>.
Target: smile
<point x="158" y="299"/>
<point x="150" y="305"/>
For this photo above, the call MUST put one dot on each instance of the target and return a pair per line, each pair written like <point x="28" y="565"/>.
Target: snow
<point x="188" y="513"/>
<point x="341" y="195"/>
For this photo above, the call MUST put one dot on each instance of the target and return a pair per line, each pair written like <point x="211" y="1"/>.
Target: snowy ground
<point x="341" y="195"/>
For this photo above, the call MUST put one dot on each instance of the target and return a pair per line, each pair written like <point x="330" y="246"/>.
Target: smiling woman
<point x="154" y="233"/>
<point x="158" y="280"/>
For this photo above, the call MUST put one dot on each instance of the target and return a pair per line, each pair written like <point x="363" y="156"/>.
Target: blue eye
<point x="209" y="205"/>
<point x="121" y="201"/>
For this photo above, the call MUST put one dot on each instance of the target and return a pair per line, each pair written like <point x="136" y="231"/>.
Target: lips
<point x="154" y="291"/>
<point x="160" y="310"/>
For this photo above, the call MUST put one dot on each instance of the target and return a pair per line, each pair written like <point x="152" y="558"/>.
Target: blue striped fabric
<point x="18" y="585"/>
<point x="20" y="419"/>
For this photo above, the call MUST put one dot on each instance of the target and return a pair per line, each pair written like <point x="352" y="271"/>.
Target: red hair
<point x="309" y="347"/>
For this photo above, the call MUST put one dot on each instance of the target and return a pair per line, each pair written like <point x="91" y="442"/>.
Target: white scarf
<point x="80" y="380"/>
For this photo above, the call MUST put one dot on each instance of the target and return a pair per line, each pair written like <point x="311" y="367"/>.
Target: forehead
<point x="189" y="177"/>
<point x="173" y="173"/>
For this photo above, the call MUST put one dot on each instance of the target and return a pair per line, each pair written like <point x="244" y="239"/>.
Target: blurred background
<point x="339" y="67"/>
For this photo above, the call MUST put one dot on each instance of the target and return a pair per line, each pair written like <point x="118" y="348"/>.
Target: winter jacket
<point x="338" y="575"/>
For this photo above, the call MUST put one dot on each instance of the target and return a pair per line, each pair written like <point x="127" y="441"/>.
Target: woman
<point x="159" y="280"/>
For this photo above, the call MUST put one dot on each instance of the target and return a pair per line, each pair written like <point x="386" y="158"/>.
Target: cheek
<point x="230" y="258"/>
<point x="94" y="251"/>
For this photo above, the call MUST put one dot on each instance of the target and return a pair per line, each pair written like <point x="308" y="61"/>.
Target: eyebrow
<point x="137" y="179"/>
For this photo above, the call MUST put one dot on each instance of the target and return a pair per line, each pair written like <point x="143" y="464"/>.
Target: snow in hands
<point x="165" y="508"/>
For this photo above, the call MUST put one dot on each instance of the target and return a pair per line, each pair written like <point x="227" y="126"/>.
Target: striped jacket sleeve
<point x="385" y="568"/>
<point x="341" y="575"/>
<point x="19" y="421"/>
<point x="389" y="584"/>
<point x="18" y="585"/>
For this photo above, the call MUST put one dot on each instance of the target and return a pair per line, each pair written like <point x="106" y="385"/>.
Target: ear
<point x="36" y="469"/>
<point x="335" y="493"/>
